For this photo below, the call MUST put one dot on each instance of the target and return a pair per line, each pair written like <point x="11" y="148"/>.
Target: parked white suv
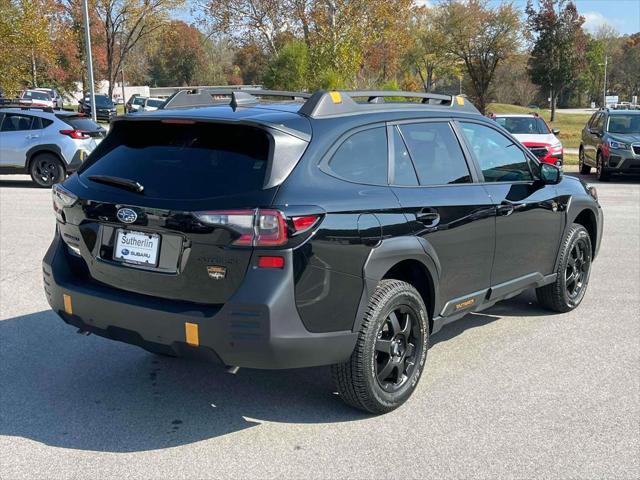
<point x="46" y="145"/>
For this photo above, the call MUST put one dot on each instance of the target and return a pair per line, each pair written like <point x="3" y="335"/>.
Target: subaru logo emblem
<point x="126" y="215"/>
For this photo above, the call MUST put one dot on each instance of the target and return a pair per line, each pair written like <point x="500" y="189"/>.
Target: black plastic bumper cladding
<point x="258" y="327"/>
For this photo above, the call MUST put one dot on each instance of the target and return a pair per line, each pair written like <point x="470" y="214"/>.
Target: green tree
<point x="480" y="37"/>
<point x="289" y="69"/>
<point x="558" y="51"/>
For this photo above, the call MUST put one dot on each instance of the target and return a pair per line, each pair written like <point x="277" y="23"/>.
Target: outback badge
<point x="216" y="272"/>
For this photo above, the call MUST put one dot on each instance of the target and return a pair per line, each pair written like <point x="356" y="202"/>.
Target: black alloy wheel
<point x="578" y="265"/>
<point x="397" y="348"/>
<point x="46" y="170"/>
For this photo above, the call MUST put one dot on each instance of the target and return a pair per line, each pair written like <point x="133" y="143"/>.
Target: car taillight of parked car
<point x="76" y="134"/>
<point x="62" y="198"/>
<point x="259" y="227"/>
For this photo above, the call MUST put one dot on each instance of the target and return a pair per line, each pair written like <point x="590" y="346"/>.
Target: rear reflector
<point x="270" y="262"/>
<point x="68" y="307"/>
<point x="191" y="334"/>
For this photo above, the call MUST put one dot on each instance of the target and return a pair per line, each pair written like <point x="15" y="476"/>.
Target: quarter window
<point x="436" y="153"/>
<point x="362" y="158"/>
<point x="403" y="172"/>
<point x="500" y="159"/>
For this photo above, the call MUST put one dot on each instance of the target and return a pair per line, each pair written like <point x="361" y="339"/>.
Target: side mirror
<point x="555" y="131"/>
<point x="594" y="131"/>
<point x="550" y="174"/>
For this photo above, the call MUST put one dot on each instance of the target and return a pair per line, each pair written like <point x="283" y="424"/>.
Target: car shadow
<point x="9" y="183"/>
<point x="89" y="393"/>
<point x="591" y="178"/>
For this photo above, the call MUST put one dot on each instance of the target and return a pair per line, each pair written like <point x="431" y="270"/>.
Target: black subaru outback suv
<point x="328" y="229"/>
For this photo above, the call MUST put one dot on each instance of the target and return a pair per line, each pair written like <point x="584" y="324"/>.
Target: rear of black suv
<point x="165" y="239"/>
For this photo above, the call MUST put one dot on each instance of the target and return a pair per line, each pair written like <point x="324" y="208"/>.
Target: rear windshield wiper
<point x="125" y="183"/>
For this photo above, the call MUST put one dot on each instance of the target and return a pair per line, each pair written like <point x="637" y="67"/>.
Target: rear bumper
<point x="258" y="327"/>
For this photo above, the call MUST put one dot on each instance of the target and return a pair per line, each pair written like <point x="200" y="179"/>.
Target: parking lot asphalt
<point x="510" y="392"/>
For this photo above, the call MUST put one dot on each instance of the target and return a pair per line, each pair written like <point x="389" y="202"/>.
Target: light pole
<point x="87" y="41"/>
<point x="604" y="88"/>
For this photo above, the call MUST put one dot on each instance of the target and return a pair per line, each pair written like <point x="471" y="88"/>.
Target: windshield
<point x="524" y="125"/>
<point x="184" y="161"/>
<point x="154" y="103"/>
<point x="36" y="95"/>
<point x="624" y="124"/>
<point x="138" y="101"/>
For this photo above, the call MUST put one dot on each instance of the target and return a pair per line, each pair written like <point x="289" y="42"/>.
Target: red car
<point x="534" y="133"/>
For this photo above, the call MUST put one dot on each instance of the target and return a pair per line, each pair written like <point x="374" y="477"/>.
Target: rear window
<point x="192" y="161"/>
<point x="80" y="123"/>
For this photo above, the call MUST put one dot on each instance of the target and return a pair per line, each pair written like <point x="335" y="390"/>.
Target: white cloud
<point x="594" y="20"/>
<point x="422" y="3"/>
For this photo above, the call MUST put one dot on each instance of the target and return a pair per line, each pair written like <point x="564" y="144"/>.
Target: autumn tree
<point x="179" y="55"/>
<point x="127" y="22"/>
<point x="558" y="51"/>
<point x="480" y="37"/>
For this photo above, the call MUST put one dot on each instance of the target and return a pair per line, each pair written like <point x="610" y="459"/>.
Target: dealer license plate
<point x="137" y="247"/>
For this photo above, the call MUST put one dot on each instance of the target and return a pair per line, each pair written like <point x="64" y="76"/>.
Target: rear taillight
<point x="75" y="134"/>
<point x="260" y="227"/>
<point x="62" y="198"/>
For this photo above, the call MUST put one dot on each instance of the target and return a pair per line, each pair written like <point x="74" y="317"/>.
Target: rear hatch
<point x="83" y="124"/>
<point x="163" y="206"/>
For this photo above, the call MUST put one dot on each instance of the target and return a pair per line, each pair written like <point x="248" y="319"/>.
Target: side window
<point x="403" y="172"/>
<point x="599" y="122"/>
<point x="436" y="153"/>
<point x="500" y="159"/>
<point x="592" y="120"/>
<point x="39" y="123"/>
<point x="362" y="158"/>
<point x="14" y="122"/>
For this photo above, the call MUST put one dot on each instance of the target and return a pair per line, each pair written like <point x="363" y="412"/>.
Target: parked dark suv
<point x="611" y="143"/>
<point x="340" y="231"/>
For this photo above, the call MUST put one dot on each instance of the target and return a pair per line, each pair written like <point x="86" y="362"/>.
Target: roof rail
<point x="206" y="97"/>
<point x="24" y="106"/>
<point x="327" y="104"/>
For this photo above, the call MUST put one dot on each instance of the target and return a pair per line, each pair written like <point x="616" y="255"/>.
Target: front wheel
<point x="390" y="353"/>
<point x="584" y="168"/>
<point x="574" y="267"/>
<point x="46" y="169"/>
<point x="601" y="172"/>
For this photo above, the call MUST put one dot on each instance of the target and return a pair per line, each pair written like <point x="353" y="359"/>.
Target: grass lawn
<point x="569" y="124"/>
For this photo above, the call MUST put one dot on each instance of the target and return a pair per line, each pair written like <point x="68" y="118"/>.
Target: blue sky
<point x="623" y="15"/>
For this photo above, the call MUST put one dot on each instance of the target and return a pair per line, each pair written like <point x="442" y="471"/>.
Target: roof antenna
<point x="240" y="99"/>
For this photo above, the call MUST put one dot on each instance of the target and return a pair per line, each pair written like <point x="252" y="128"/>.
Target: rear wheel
<point x="390" y="353"/>
<point x="601" y="172"/>
<point x="574" y="267"/>
<point x="584" y="168"/>
<point x="46" y="170"/>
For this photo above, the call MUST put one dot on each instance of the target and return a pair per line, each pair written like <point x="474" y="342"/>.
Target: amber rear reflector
<point x="336" y="97"/>
<point x="191" y="334"/>
<point x="68" y="308"/>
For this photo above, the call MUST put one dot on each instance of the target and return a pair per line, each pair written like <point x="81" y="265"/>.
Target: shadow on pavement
<point x="89" y="393"/>
<point x="12" y="183"/>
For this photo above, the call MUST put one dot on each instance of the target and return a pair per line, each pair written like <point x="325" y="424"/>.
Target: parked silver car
<point x="55" y="96"/>
<point x="45" y="144"/>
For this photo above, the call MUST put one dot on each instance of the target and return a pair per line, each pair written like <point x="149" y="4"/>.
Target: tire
<point x="390" y="352"/>
<point x="574" y="268"/>
<point x="46" y="169"/>
<point x="601" y="172"/>
<point x="584" y="168"/>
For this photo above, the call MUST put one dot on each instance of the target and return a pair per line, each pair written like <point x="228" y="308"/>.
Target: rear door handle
<point x="428" y="217"/>
<point x="504" y="209"/>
